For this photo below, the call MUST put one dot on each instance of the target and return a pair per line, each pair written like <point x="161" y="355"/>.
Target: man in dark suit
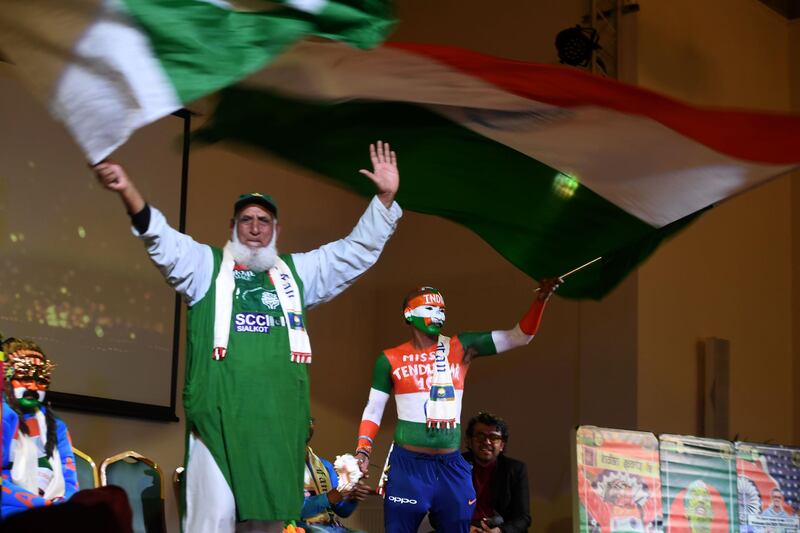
<point x="501" y="483"/>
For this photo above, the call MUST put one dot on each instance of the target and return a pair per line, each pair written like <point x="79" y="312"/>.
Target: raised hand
<point x="113" y="177"/>
<point x="384" y="173"/>
<point x="547" y="287"/>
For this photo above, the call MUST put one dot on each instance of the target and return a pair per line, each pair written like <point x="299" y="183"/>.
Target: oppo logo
<point x="396" y="499"/>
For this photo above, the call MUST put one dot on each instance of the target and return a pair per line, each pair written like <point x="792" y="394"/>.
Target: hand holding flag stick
<point x="113" y="177"/>
<point x="549" y="285"/>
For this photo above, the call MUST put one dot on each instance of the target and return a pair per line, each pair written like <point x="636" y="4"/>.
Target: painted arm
<point x="522" y="333"/>
<point x="371" y="420"/>
<point x="373" y="412"/>
<point x="330" y="269"/>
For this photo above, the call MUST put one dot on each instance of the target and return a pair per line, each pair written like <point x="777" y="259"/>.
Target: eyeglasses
<point x="493" y="437"/>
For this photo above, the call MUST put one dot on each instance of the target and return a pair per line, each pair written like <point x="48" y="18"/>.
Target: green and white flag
<point x="107" y="67"/>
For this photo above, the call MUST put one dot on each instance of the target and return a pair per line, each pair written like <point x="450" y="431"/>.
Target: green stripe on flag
<point x="204" y="47"/>
<point x="541" y="221"/>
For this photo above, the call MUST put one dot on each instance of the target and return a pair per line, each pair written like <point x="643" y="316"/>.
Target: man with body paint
<point x="427" y="473"/>
<point x="246" y="392"/>
<point x="38" y="463"/>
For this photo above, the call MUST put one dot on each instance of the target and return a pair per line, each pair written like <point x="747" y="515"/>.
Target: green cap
<point x="264" y="200"/>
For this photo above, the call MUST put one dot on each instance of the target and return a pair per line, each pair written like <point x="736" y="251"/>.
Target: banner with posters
<point x="768" y="486"/>
<point x="698" y="480"/>
<point x="617" y="486"/>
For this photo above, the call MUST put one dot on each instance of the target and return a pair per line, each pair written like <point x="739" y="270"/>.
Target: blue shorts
<point x="421" y="483"/>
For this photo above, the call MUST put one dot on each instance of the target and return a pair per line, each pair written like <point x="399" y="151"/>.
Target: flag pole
<point x="595" y="260"/>
<point x="562" y="276"/>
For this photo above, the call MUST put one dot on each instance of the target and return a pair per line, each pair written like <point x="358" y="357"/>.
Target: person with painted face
<point x="246" y="391"/>
<point x="427" y="473"/>
<point x="38" y="462"/>
<point x="501" y="483"/>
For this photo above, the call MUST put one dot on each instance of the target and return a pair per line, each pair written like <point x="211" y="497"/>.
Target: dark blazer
<point x="510" y="495"/>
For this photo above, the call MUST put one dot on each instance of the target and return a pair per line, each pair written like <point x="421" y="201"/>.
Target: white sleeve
<point x="332" y="268"/>
<point x="505" y="340"/>
<point x="186" y="264"/>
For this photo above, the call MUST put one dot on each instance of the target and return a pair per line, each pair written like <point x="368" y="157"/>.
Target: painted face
<point x="426" y="312"/>
<point x="29" y="372"/>
<point x="29" y="392"/>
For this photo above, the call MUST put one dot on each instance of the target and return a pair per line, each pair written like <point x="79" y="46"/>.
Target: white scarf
<point x="440" y="409"/>
<point x="288" y="294"/>
<point x="25" y="470"/>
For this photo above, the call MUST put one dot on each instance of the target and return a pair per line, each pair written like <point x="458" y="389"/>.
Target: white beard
<point x="256" y="259"/>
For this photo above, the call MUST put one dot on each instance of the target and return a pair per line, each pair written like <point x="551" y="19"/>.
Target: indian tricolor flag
<point x="551" y="166"/>
<point x="108" y="67"/>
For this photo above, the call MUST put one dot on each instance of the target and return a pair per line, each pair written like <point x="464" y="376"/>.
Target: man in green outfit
<point x="246" y="392"/>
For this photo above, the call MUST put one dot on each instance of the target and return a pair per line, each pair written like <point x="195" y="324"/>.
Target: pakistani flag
<point x="107" y="67"/>
<point x="553" y="167"/>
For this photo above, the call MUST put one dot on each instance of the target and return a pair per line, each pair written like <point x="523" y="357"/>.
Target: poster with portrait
<point x="768" y="483"/>
<point x="617" y="487"/>
<point x="698" y="482"/>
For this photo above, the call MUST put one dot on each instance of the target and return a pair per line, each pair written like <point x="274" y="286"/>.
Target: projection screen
<point x="72" y="276"/>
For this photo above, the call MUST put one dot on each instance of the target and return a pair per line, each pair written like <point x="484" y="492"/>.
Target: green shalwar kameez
<point x="250" y="409"/>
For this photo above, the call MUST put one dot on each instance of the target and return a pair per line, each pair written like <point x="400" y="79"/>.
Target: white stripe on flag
<point x="223" y="4"/>
<point x="666" y="175"/>
<point x="309" y="6"/>
<point x="115" y="75"/>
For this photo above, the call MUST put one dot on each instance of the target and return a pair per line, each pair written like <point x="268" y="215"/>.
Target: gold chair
<point x="143" y="482"/>
<point x="88" y="477"/>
